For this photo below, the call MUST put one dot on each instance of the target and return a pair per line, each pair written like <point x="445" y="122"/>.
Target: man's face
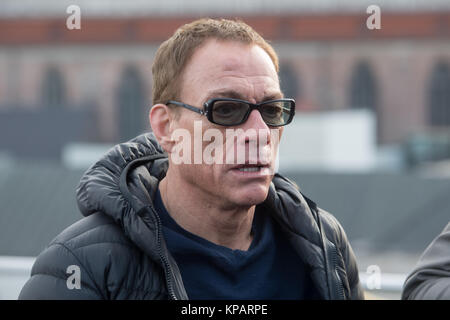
<point x="225" y="69"/>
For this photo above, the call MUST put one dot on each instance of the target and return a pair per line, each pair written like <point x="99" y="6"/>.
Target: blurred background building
<point x="370" y="142"/>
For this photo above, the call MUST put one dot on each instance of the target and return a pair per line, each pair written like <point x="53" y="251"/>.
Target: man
<point x="169" y="216"/>
<point x="430" y="280"/>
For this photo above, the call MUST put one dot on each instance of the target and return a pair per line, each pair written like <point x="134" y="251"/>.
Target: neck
<point x="206" y="216"/>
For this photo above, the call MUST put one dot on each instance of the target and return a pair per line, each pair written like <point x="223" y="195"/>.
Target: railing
<point x="14" y="272"/>
<point x="382" y="285"/>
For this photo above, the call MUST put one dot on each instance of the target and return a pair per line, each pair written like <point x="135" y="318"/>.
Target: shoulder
<point x="96" y="247"/>
<point x="332" y="228"/>
<point x="95" y="244"/>
<point x="96" y="229"/>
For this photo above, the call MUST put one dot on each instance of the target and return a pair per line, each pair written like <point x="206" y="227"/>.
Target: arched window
<point x="53" y="94"/>
<point x="289" y="81"/>
<point x="131" y="98"/>
<point x="363" y="92"/>
<point x="439" y="95"/>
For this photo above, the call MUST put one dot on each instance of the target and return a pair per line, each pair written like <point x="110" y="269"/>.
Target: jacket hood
<point x="120" y="186"/>
<point x="122" y="183"/>
<point x="106" y="185"/>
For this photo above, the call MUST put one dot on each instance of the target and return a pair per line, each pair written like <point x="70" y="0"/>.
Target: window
<point x="363" y="92"/>
<point x="439" y="95"/>
<point x="363" y="88"/>
<point x="131" y="98"/>
<point x="289" y="81"/>
<point x="53" y="89"/>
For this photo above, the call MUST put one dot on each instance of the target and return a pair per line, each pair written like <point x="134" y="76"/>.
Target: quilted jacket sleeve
<point x="58" y="275"/>
<point x="430" y="280"/>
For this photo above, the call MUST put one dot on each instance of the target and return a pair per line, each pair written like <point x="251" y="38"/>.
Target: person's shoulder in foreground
<point x="430" y="280"/>
<point x="160" y="224"/>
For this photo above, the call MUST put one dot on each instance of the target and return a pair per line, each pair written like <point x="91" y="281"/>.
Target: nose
<point x="256" y="122"/>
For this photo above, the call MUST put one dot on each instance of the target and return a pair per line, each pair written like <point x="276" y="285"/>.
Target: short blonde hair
<point x="173" y="54"/>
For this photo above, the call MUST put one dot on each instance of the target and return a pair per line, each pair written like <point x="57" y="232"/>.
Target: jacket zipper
<point x="340" y="287"/>
<point x="166" y="264"/>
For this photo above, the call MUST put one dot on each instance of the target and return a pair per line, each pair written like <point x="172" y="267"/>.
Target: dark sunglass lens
<point x="276" y="113"/>
<point x="229" y="112"/>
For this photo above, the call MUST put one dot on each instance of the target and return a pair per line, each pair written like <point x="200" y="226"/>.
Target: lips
<point x="251" y="169"/>
<point x="250" y="164"/>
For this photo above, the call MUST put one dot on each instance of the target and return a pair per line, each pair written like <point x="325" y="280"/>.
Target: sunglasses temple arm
<point x="184" y="105"/>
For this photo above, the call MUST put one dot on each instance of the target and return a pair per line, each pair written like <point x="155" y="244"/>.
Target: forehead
<point x="223" y="66"/>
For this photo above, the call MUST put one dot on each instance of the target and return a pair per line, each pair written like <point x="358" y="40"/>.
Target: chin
<point x="251" y="198"/>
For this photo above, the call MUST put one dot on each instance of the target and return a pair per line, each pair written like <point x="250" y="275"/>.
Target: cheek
<point x="275" y="135"/>
<point x="280" y="133"/>
<point x="275" y="138"/>
<point x="200" y="176"/>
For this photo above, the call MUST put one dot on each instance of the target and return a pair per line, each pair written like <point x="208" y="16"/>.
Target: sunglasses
<point x="233" y="112"/>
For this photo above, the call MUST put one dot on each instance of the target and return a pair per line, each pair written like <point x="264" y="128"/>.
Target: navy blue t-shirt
<point x="269" y="269"/>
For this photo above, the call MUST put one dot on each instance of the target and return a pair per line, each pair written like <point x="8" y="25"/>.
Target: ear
<point x="161" y="118"/>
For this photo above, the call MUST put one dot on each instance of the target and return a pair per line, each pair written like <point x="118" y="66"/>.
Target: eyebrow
<point x="237" y="95"/>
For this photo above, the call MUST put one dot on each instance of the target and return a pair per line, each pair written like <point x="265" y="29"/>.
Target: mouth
<point x="249" y="169"/>
<point x="257" y="169"/>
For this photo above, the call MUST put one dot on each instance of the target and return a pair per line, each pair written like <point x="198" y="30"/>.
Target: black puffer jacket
<point x="120" y="250"/>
